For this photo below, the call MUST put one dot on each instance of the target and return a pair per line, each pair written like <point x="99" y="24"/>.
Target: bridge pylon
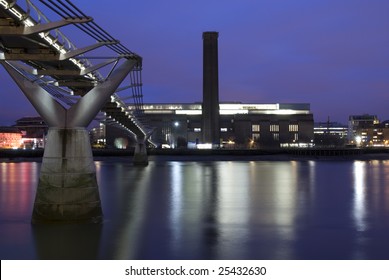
<point x="67" y="191"/>
<point x="140" y="153"/>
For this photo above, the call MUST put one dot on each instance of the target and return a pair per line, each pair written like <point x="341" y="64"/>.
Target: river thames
<point x="210" y="209"/>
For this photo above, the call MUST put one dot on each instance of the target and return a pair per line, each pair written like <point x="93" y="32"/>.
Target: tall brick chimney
<point x="210" y="106"/>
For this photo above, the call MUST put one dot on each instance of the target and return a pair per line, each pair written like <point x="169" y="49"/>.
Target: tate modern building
<point x="211" y="124"/>
<point x="240" y="125"/>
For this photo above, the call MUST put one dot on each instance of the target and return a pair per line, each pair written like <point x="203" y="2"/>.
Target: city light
<point x="358" y="140"/>
<point x="205" y="146"/>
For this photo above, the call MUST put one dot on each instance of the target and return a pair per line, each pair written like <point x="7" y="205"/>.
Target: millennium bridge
<point x="70" y="87"/>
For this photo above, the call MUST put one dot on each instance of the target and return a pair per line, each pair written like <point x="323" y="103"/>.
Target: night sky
<point x="333" y="54"/>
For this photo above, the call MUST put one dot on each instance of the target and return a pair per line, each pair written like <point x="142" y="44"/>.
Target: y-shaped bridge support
<point x="67" y="190"/>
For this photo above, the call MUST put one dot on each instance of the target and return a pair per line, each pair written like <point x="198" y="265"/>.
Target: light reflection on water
<point x="16" y="198"/>
<point x="211" y="210"/>
<point x="359" y="201"/>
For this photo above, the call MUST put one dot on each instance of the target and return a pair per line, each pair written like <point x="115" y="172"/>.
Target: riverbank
<point x="218" y="154"/>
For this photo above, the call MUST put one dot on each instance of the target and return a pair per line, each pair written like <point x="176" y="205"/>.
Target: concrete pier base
<point x="140" y="154"/>
<point x="67" y="190"/>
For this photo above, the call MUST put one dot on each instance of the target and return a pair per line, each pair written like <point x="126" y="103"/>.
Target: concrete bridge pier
<point x="140" y="153"/>
<point x="67" y="191"/>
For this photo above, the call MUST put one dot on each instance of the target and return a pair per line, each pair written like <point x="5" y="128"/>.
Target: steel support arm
<point x="51" y="111"/>
<point x="80" y="51"/>
<point x="28" y="30"/>
<point x="66" y="72"/>
<point x="47" y="56"/>
<point x="50" y="55"/>
<point x="59" y="72"/>
<point x="98" y="66"/>
<point x="22" y="66"/>
<point x="83" y="112"/>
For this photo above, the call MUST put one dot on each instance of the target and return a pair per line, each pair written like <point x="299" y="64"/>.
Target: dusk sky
<point x="333" y="54"/>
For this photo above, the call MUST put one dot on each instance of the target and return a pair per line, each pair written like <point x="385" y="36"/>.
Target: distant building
<point x="212" y="124"/>
<point x="330" y="134"/>
<point x="10" y="138"/>
<point x="357" y="123"/>
<point x="34" y="131"/>
<point x="241" y="125"/>
<point x="98" y="137"/>
<point x="367" y="131"/>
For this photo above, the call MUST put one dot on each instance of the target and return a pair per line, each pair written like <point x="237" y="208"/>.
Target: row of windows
<point x="256" y="128"/>
<point x="275" y="128"/>
<point x="276" y="136"/>
<point x="222" y="129"/>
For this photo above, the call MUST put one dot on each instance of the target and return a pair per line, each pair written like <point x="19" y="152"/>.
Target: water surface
<point x="206" y="209"/>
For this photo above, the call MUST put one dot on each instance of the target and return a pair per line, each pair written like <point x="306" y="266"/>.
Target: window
<point x="255" y="128"/>
<point x="197" y="129"/>
<point x="293" y="127"/>
<point x="255" y="136"/>
<point x="276" y="136"/>
<point x="274" y="127"/>
<point x="223" y="129"/>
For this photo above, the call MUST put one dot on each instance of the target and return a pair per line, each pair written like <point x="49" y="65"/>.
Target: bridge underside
<point x="68" y="92"/>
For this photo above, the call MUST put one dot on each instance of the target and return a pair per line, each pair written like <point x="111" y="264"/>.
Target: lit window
<point x="255" y="136"/>
<point x="255" y="128"/>
<point x="293" y="127"/>
<point x="276" y="136"/>
<point x="223" y="129"/>
<point x="197" y="129"/>
<point x="274" y="127"/>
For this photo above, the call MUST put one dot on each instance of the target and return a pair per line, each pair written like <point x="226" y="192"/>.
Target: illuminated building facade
<point x="10" y="138"/>
<point x="368" y="131"/>
<point x="330" y="134"/>
<point x="34" y="131"/>
<point x="211" y="124"/>
<point x="241" y="125"/>
<point x="97" y="135"/>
